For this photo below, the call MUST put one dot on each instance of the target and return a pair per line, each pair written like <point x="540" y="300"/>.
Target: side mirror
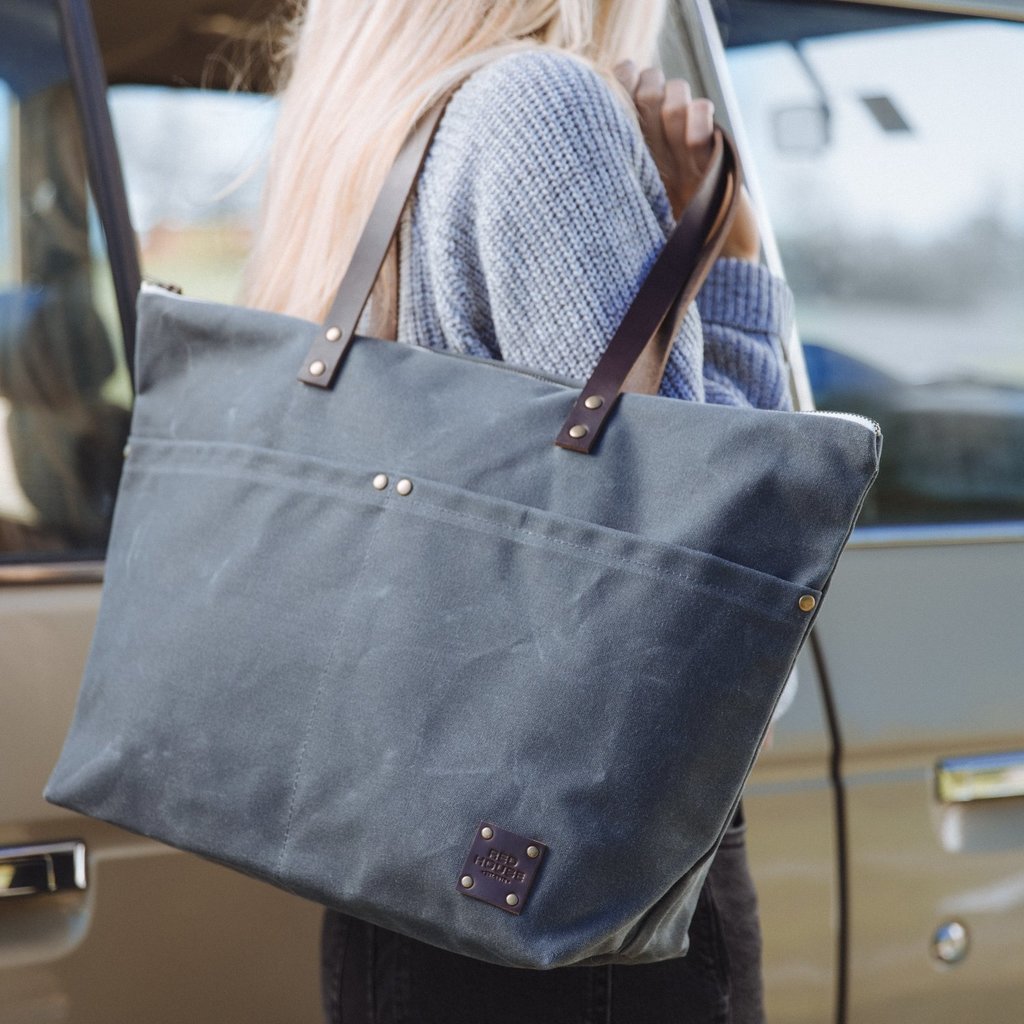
<point x="802" y="130"/>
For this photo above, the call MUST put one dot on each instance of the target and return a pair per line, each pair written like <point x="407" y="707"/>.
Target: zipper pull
<point x="175" y="289"/>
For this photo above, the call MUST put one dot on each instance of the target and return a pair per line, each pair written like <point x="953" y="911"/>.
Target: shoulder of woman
<point x="538" y="100"/>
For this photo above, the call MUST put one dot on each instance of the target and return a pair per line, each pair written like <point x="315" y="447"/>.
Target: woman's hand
<point x="678" y="131"/>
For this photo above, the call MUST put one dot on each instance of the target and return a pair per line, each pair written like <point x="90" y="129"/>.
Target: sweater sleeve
<point x="539" y="214"/>
<point x="747" y="315"/>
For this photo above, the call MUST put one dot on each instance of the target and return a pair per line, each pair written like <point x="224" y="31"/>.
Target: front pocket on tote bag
<point x="422" y="660"/>
<point x="466" y="603"/>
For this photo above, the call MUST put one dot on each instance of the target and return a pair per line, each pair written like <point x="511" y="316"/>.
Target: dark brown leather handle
<point x="635" y="358"/>
<point x="649" y="369"/>
<point x="321" y="365"/>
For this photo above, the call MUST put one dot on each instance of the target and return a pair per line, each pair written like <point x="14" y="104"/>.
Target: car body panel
<point x="792" y="838"/>
<point x="926" y="664"/>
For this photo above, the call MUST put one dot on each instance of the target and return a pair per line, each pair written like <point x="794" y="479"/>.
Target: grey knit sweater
<point x="537" y="215"/>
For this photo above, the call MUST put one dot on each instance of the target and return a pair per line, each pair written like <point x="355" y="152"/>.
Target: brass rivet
<point x="807" y="603"/>
<point x="487" y="833"/>
<point x="380" y="481"/>
<point x="333" y="333"/>
<point x="532" y="851"/>
<point x="512" y="899"/>
<point x="317" y="367"/>
<point x="578" y="431"/>
<point x="467" y="881"/>
<point x="404" y="487"/>
<point x="594" y="402"/>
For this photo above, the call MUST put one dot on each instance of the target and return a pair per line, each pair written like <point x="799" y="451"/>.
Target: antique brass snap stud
<point x="332" y="333"/>
<point x="487" y="832"/>
<point x="532" y="851"/>
<point x="594" y="402"/>
<point x="380" y="481"/>
<point x="578" y="431"/>
<point x="317" y="367"/>
<point x="807" y="603"/>
<point x="404" y="487"/>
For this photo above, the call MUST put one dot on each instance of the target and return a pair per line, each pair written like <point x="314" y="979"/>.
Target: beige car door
<point x="95" y="924"/>
<point x="886" y="146"/>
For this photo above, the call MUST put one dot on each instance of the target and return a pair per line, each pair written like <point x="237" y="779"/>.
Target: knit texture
<point x="536" y="217"/>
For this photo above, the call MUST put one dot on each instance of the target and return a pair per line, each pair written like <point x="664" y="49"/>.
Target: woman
<point x="536" y="216"/>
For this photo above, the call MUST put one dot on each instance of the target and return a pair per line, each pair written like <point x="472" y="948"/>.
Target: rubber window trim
<point x="88" y="79"/>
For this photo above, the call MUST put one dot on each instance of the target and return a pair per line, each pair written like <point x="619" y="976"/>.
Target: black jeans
<point x="373" y="976"/>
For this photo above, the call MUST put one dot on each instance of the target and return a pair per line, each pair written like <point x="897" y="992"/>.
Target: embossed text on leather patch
<point x="501" y="867"/>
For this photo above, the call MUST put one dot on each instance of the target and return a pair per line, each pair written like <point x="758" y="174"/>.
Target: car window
<point x="193" y="163"/>
<point x="64" y="389"/>
<point x="890" y="161"/>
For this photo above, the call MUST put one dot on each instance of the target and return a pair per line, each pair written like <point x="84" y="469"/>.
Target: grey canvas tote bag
<point x="472" y="653"/>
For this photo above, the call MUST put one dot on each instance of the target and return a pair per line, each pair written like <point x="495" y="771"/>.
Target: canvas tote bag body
<point x="374" y="637"/>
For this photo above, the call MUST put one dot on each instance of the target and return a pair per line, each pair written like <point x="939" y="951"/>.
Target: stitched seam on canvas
<point x="592" y="555"/>
<point x="340" y="487"/>
<point x="487" y="525"/>
<point x="599" y="558"/>
<point x="314" y="707"/>
<point x="226" y="447"/>
<point x="327" y="490"/>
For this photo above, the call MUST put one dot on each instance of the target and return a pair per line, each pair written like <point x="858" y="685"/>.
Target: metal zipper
<point x="148" y="284"/>
<point x="864" y="421"/>
<point x="172" y="288"/>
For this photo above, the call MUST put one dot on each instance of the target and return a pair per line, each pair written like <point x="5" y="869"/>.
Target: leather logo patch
<point x="501" y="868"/>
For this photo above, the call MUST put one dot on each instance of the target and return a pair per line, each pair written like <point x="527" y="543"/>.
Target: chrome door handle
<point x="962" y="780"/>
<point x="48" y="868"/>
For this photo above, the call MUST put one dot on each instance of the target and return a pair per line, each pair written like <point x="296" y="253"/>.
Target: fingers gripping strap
<point x="647" y="373"/>
<point x="327" y="352"/>
<point x="636" y="356"/>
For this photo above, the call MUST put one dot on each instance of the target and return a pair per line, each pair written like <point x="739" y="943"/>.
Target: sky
<point x="960" y="86"/>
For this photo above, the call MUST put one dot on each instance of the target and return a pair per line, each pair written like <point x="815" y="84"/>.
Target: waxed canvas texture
<point x="330" y="687"/>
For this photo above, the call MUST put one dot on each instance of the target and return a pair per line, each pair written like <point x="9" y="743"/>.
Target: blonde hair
<point x="358" y="75"/>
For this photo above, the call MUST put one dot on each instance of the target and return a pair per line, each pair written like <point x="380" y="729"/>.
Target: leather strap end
<point x="585" y="422"/>
<point x="322" y="363"/>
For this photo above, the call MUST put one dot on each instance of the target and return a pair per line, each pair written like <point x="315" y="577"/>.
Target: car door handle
<point x="962" y="780"/>
<point x="48" y="868"/>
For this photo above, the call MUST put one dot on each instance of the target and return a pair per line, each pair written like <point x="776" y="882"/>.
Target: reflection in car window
<point x="193" y="164"/>
<point x="64" y="391"/>
<point x="891" y="164"/>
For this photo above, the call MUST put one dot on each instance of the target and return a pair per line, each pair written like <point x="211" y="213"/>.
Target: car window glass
<point x="64" y="390"/>
<point x="890" y="163"/>
<point x="193" y="164"/>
